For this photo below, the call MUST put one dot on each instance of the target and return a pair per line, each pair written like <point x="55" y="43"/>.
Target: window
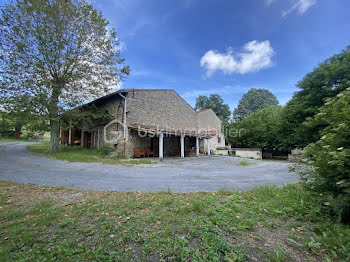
<point x="219" y="139"/>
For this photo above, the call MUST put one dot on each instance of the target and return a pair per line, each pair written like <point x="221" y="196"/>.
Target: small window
<point x="219" y="139"/>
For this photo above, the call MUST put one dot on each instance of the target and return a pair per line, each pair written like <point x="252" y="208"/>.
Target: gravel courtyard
<point x="178" y="175"/>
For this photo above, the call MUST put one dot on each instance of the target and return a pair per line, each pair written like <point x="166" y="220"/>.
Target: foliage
<point x="327" y="80"/>
<point x="6" y="127"/>
<point x="252" y="101"/>
<point x="105" y="150"/>
<point x="57" y="53"/>
<point x="90" y="114"/>
<point x="258" y="130"/>
<point x="216" y="103"/>
<point x="20" y="113"/>
<point x="54" y="223"/>
<point x="331" y="154"/>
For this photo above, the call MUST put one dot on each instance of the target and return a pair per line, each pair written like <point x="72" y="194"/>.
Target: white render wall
<point x="214" y="144"/>
<point x="208" y="121"/>
<point x="249" y="153"/>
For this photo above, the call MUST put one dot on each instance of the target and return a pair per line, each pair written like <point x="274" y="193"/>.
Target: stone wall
<point x="248" y="152"/>
<point x="296" y="155"/>
<point x="217" y="141"/>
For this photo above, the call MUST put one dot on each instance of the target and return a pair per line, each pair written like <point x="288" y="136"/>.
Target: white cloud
<point x="254" y="57"/>
<point x="269" y="2"/>
<point x="300" y="6"/>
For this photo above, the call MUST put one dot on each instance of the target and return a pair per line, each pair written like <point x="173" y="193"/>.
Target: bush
<point x="330" y="156"/>
<point x="258" y="130"/>
<point x="105" y="150"/>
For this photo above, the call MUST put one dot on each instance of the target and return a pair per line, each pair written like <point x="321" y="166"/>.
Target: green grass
<point x="268" y="223"/>
<point x="79" y="154"/>
<point x="9" y="139"/>
<point x="245" y="163"/>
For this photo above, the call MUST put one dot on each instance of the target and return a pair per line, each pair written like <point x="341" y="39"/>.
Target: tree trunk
<point x="18" y="130"/>
<point x="54" y="120"/>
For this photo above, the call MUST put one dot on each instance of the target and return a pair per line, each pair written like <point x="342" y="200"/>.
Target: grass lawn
<point x="9" y="139"/>
<point x="79" y="154"/>
<point x="265" y="224"/>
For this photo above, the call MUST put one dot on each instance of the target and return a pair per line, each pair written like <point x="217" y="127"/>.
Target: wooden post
<point x="161" y="145"/>
<point x="98" y="138"/>
<point x="197" y="146"/>
<point x="70" y="136"/>
<point x="61" y="136"/>
<point x="182" y="142"/>
<point x="82" y="137"/>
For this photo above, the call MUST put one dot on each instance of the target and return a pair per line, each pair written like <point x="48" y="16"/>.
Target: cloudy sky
<point x="200" y="47"/>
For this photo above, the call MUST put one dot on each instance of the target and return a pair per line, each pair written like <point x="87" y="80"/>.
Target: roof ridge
<point x="146" y="89"/>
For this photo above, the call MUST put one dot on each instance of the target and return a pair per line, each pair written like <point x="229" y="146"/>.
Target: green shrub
<point x="105" y="150"/>
<point x="330" y="156"/>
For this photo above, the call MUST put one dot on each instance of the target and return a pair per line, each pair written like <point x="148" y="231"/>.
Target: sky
<point x="202" y="47"/>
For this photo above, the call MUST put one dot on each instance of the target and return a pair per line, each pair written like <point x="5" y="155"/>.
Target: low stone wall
<point x="247" y="152"/>
<point x="296" y="155"/>
<point x="222" y="151"/>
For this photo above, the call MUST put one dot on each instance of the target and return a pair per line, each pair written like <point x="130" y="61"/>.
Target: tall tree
<point x="216" y="103"/>
<point x="61" y="53"/>
<point x="327" y="80"/>
<point x="254" y="100"/>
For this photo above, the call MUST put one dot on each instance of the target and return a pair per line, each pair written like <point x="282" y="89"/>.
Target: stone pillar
<point x="197" y="146"/>
<point x="182" y="142"/>
<point x="161" y="145"/>
<point x="208" y="146"/>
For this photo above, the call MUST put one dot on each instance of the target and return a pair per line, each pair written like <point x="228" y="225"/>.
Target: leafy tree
<point x="22" y="112"/>
<point x="62" y="53"/>
<point x="327" y="80"/>
<point x="258" y="130"/>
<point x="90" y="114"/>
<point x="216" y="103"/>
<point x="252" y="101"/>
<point x="330" y="155"/>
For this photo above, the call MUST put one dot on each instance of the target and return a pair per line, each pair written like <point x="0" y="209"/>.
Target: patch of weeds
<point x="311" y="244"/>
<point x="245" y="163"/>
<point x="278" y="255"/>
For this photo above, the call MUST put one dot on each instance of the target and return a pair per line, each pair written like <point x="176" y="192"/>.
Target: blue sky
<point x="200" y="47"/>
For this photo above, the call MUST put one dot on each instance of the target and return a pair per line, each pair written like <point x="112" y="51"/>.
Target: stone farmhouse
<point x="151" y="122"/>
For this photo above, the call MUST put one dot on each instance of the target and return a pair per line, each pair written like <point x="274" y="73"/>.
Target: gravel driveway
<point x="179" y="175"/>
